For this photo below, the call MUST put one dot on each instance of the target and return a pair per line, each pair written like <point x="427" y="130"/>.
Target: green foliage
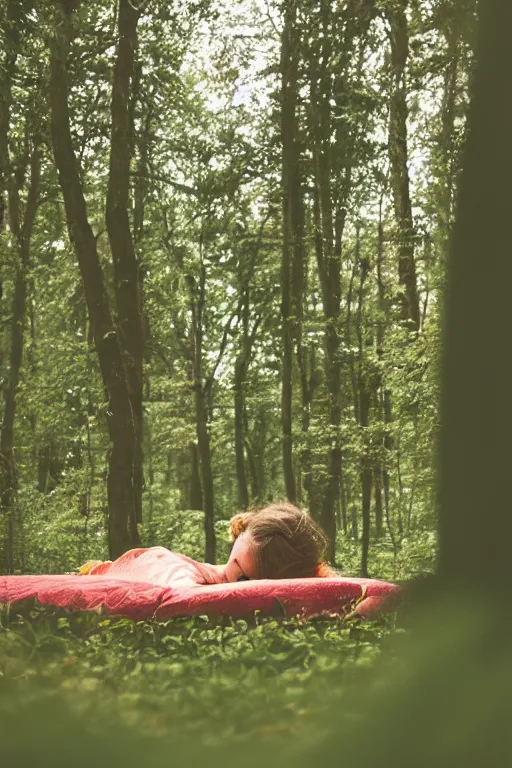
<point x="190" y="679"/>
<point x="206" y="218"/>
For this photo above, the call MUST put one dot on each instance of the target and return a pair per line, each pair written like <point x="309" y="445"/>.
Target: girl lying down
<point x="278" y="541"/>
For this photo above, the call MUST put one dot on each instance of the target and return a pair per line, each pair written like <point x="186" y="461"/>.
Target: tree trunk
<point x="195" y="496"/>
<point x="354" y="523"/>
<point x="241" y="367"/>
<point x="243" y="495"/>
<point x="148" y="442"/>
<point x="445" y="171"/>
<point x="21" y="225"/>
<point x="364" y="390"/>
<point x="11" y="28"/>
<point x="7" y="466"/>
<point x="379" y="510"/>
<point x="366" y="485"/>
<point x="254" y="476"/>
<point x="343" y="503"/>
<point x="119" y="416"/>
<point x="476" y="407"/>
<point x="205" y="458"/>
<point x="329" y="267"/>
<point x="126" y="268"/>
<point x="383" y="394"/>
<point x="292" y="200"/>
<point x="398" y="156"/>
<point x="306" y="362"/>
<point x="201" y="411"/>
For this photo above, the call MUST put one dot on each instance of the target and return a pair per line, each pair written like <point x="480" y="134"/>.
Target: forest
<point x="232" y="225"/>
<point x="238" y="263"/>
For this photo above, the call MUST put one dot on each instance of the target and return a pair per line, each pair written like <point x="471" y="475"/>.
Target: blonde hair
<point x="287" y="541"/>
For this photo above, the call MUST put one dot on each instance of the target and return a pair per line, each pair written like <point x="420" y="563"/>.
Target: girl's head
<point x="278" y="541"/>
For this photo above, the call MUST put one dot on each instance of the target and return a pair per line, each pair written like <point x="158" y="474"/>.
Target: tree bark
<point x="364" y="391"/>
<point x="7" y="468"/>
<point x="119" y="416"/>
<point x="398" y="156"/>
<point x="329" y="264"/>
<point x="444" y="167"/>
<point x="366" y="485"/>
<point x="291" y="218"/>
<point x="11" y="29"/>
<point x="126" y="268"/>
<point x="254" y="475"/>
<point x="306" y="362"/>
<point x="205" y="458"/>
<point x="195" y="495"/>
<point x="382" y="391"/>
<point x="202" y="415"/>
<point x="21" y="226"/>
<point x="379" y="509"/>
<point x="241" y="364"/>
<point x="475" y="523"/>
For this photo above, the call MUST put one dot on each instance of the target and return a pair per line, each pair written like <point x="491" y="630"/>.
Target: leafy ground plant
<point x="191" y="678"/>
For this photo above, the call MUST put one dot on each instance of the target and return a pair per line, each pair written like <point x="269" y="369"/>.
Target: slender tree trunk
<point x="10" y="23"/>
<point x="309" y="481"/>
<point x="379" y="510"/>
<point x="255" y="445"/>
<point x="306" y="363"/>
<point x="329" y="265"/>
<point x="364" y="390"/>
<point x="140" y="193"/>
<point x="384" y="400"/>
<point x="256" y="487"/>
<point x="389" y="523"/>
<point x="400" y="523"/>
<point x="380" y="463"/>
<point x="445" y="149"/>
<point x="398" y="156"/>
<point x="10" y="20"/>
<point x="243" y="494"/>
<point x="292" y="201"/>
<point x="354" y="522"/>
<point x="119" y="416"/>
<point x="195" y="494"/>
<point x="126" y="268"/>
<point x="241" y="366"/>
<point x="85" y="497"/>
<point x="366" y="485"/>
<point x="259" y="442"/>
<point x="202" y="414"/>
<point x="344" y="506"/>
<point x="205" y="459"/>
<point x="21" y="225"/>
<point x="148" y="442"/>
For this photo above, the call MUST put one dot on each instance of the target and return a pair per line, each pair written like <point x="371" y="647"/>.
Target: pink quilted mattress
<point x="139" y="599"/>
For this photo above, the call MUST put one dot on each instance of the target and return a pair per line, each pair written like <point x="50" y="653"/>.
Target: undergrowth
<point x="189" y="678"/>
